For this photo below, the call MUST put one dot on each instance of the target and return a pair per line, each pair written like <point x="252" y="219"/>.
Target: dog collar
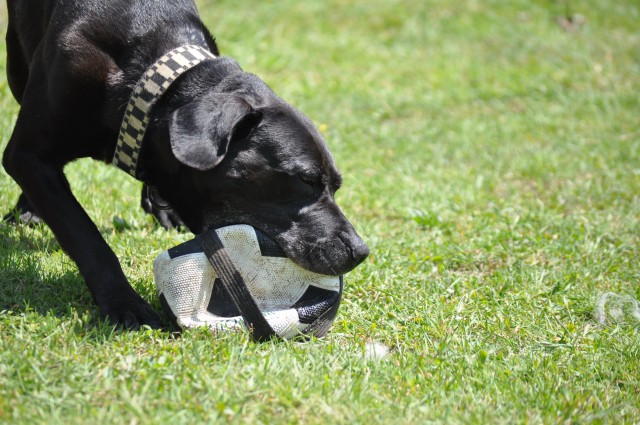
<point x="151" y="86"/>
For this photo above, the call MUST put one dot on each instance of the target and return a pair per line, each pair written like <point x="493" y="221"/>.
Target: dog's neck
<point x="153" y="84"/>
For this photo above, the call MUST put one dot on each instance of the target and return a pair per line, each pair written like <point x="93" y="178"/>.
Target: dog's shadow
<point x="26" y="281"/>
<point x="27" y="287"/>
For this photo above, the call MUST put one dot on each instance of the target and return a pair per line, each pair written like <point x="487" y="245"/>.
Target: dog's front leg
<point x="41" y="177"/>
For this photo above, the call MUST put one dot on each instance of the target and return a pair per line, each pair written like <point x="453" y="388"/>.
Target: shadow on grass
<point x="26" y="238"/>
<point x="27" y="286"/>
<point x="24" y="285"/>
<point x="25" y="290"/>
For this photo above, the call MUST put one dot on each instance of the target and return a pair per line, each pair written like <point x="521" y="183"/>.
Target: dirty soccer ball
<point x="293" y="300"/>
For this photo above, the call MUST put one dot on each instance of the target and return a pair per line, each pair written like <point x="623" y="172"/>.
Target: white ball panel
<point x="211" y="321"/>
<point x="274" y="282"/>
<point x="285" y="323"/>
<point x="185" y="282"/>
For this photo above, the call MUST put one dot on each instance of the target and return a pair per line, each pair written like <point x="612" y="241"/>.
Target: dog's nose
<point x="359" y="251"/>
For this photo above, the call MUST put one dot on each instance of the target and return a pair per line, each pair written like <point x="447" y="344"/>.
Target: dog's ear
<point x="200" y="131"/>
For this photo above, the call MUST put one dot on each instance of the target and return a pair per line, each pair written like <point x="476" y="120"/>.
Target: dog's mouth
<point x="326" y="252"/>
<point x="333" y="254"/>
<point x="330" y="255"/>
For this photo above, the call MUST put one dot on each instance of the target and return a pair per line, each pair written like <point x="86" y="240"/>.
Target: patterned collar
<point x="151" y="86"/>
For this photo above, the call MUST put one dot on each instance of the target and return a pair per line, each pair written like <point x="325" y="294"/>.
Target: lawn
<point x="491" y="160"/>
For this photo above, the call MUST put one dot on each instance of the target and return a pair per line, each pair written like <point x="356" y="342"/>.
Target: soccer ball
<point x="294" y="301"/>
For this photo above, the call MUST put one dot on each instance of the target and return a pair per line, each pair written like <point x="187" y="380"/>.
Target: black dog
<point x="221" y="147"/>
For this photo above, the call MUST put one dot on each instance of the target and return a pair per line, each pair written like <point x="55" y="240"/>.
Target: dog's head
<point x="240" y="154"/>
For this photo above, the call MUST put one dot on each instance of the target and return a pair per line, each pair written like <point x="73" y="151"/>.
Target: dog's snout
<point x="359" y="252"/>
<point x="333" y="256"/>
<point x="354" y="251"/>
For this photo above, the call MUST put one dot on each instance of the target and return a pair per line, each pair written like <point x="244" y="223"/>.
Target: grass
<point x="491" y="160"/>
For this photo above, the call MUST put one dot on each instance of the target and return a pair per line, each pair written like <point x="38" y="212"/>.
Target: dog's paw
<point x="22" y="213"/>
<point x="22" y="217"/>
<point x="130" y="311"/>
<point x="168" y="219"/>
<point x="153" y="204"/>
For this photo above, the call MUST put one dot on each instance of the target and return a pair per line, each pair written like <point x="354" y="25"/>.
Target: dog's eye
<point x="312" y="182"/>
<point x="309" y="181"/>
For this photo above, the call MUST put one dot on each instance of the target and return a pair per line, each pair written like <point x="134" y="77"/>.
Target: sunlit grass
<point x="491" y="160"/>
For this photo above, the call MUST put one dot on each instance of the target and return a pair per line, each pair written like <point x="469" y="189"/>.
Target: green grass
<point x="491" y="160"/>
